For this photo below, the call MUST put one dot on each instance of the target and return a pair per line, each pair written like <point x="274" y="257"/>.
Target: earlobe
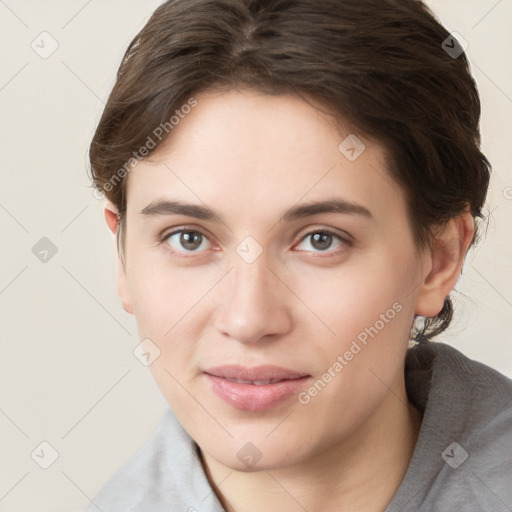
<point x="112" y="219"/>
<point x="446" y="260"/>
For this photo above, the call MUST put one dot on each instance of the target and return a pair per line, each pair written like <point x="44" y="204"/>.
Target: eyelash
<point x="346" y="242"/>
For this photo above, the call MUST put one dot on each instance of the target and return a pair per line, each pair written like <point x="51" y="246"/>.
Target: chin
<point x="255" y="451"/>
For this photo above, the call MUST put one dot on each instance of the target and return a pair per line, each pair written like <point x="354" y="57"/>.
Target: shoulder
<point x="485" y="393"/>
<point x="481" y="399"/>
<point x="478" y="463"/>
<point x="126" y="489"/>
<point x="448" y="376"/>
<point x="462" y="459"/>
<point x="165" y="474"/>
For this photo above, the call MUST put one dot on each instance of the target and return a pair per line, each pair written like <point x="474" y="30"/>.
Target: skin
<point x="250" y="157"/>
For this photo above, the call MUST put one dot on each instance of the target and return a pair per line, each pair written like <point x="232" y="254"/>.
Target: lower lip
<point x="250" y="397"/>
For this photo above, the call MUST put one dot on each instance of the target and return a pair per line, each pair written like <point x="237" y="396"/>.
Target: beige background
<point x="67" y="372"/>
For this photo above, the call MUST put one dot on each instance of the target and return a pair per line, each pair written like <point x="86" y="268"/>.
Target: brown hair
<point x="380" y="65"/>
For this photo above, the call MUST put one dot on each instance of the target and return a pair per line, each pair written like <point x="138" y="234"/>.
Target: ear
<point x="122" y="282"/>
<point x="445" y="261"/>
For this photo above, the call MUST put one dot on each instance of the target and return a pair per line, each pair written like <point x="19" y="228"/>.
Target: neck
<point x="359" y="473"/>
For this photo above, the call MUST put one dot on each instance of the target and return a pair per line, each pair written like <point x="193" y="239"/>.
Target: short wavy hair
<point x="384" y="67"/>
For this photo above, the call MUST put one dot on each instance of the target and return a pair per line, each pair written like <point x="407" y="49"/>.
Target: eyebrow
<point x="169" y="207"/>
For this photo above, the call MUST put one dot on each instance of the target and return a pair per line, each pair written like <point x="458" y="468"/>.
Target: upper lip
<point x="256" y="373"/>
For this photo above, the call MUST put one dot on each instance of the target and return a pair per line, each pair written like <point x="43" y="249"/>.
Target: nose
<point x="255" y="303"/>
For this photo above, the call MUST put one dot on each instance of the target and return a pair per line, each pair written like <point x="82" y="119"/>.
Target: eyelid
<point x="179" y="229"/>
<point x="343" y="235"/>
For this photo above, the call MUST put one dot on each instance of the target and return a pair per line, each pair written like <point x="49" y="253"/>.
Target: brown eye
<point x="322" y="241"/>
<point x="187" y="240"/>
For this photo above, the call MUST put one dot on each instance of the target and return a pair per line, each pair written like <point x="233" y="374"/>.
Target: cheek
<point x="369" y="307"/>
<point x="168" y="304"/>
<point x="163" y="304"/>
<point x="164" y="297"/>
<point x="374" y="289"/>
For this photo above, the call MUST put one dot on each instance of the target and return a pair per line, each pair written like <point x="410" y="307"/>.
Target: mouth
<point x="256" y="382"/>
<point x="255" y="389"/>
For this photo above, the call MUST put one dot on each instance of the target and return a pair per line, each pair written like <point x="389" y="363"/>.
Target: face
<point x="281" y="300"/>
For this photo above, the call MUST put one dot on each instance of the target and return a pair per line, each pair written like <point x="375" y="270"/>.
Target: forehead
<point x="244" y="152"/>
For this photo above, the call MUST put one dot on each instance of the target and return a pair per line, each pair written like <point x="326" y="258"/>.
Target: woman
<point x="294" y="187"/>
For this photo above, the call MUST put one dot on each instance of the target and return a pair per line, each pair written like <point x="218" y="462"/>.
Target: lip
<point x="255" y="389"/>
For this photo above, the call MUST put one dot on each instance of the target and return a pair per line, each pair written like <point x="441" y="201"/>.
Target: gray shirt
<point x="462" y="460"/>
